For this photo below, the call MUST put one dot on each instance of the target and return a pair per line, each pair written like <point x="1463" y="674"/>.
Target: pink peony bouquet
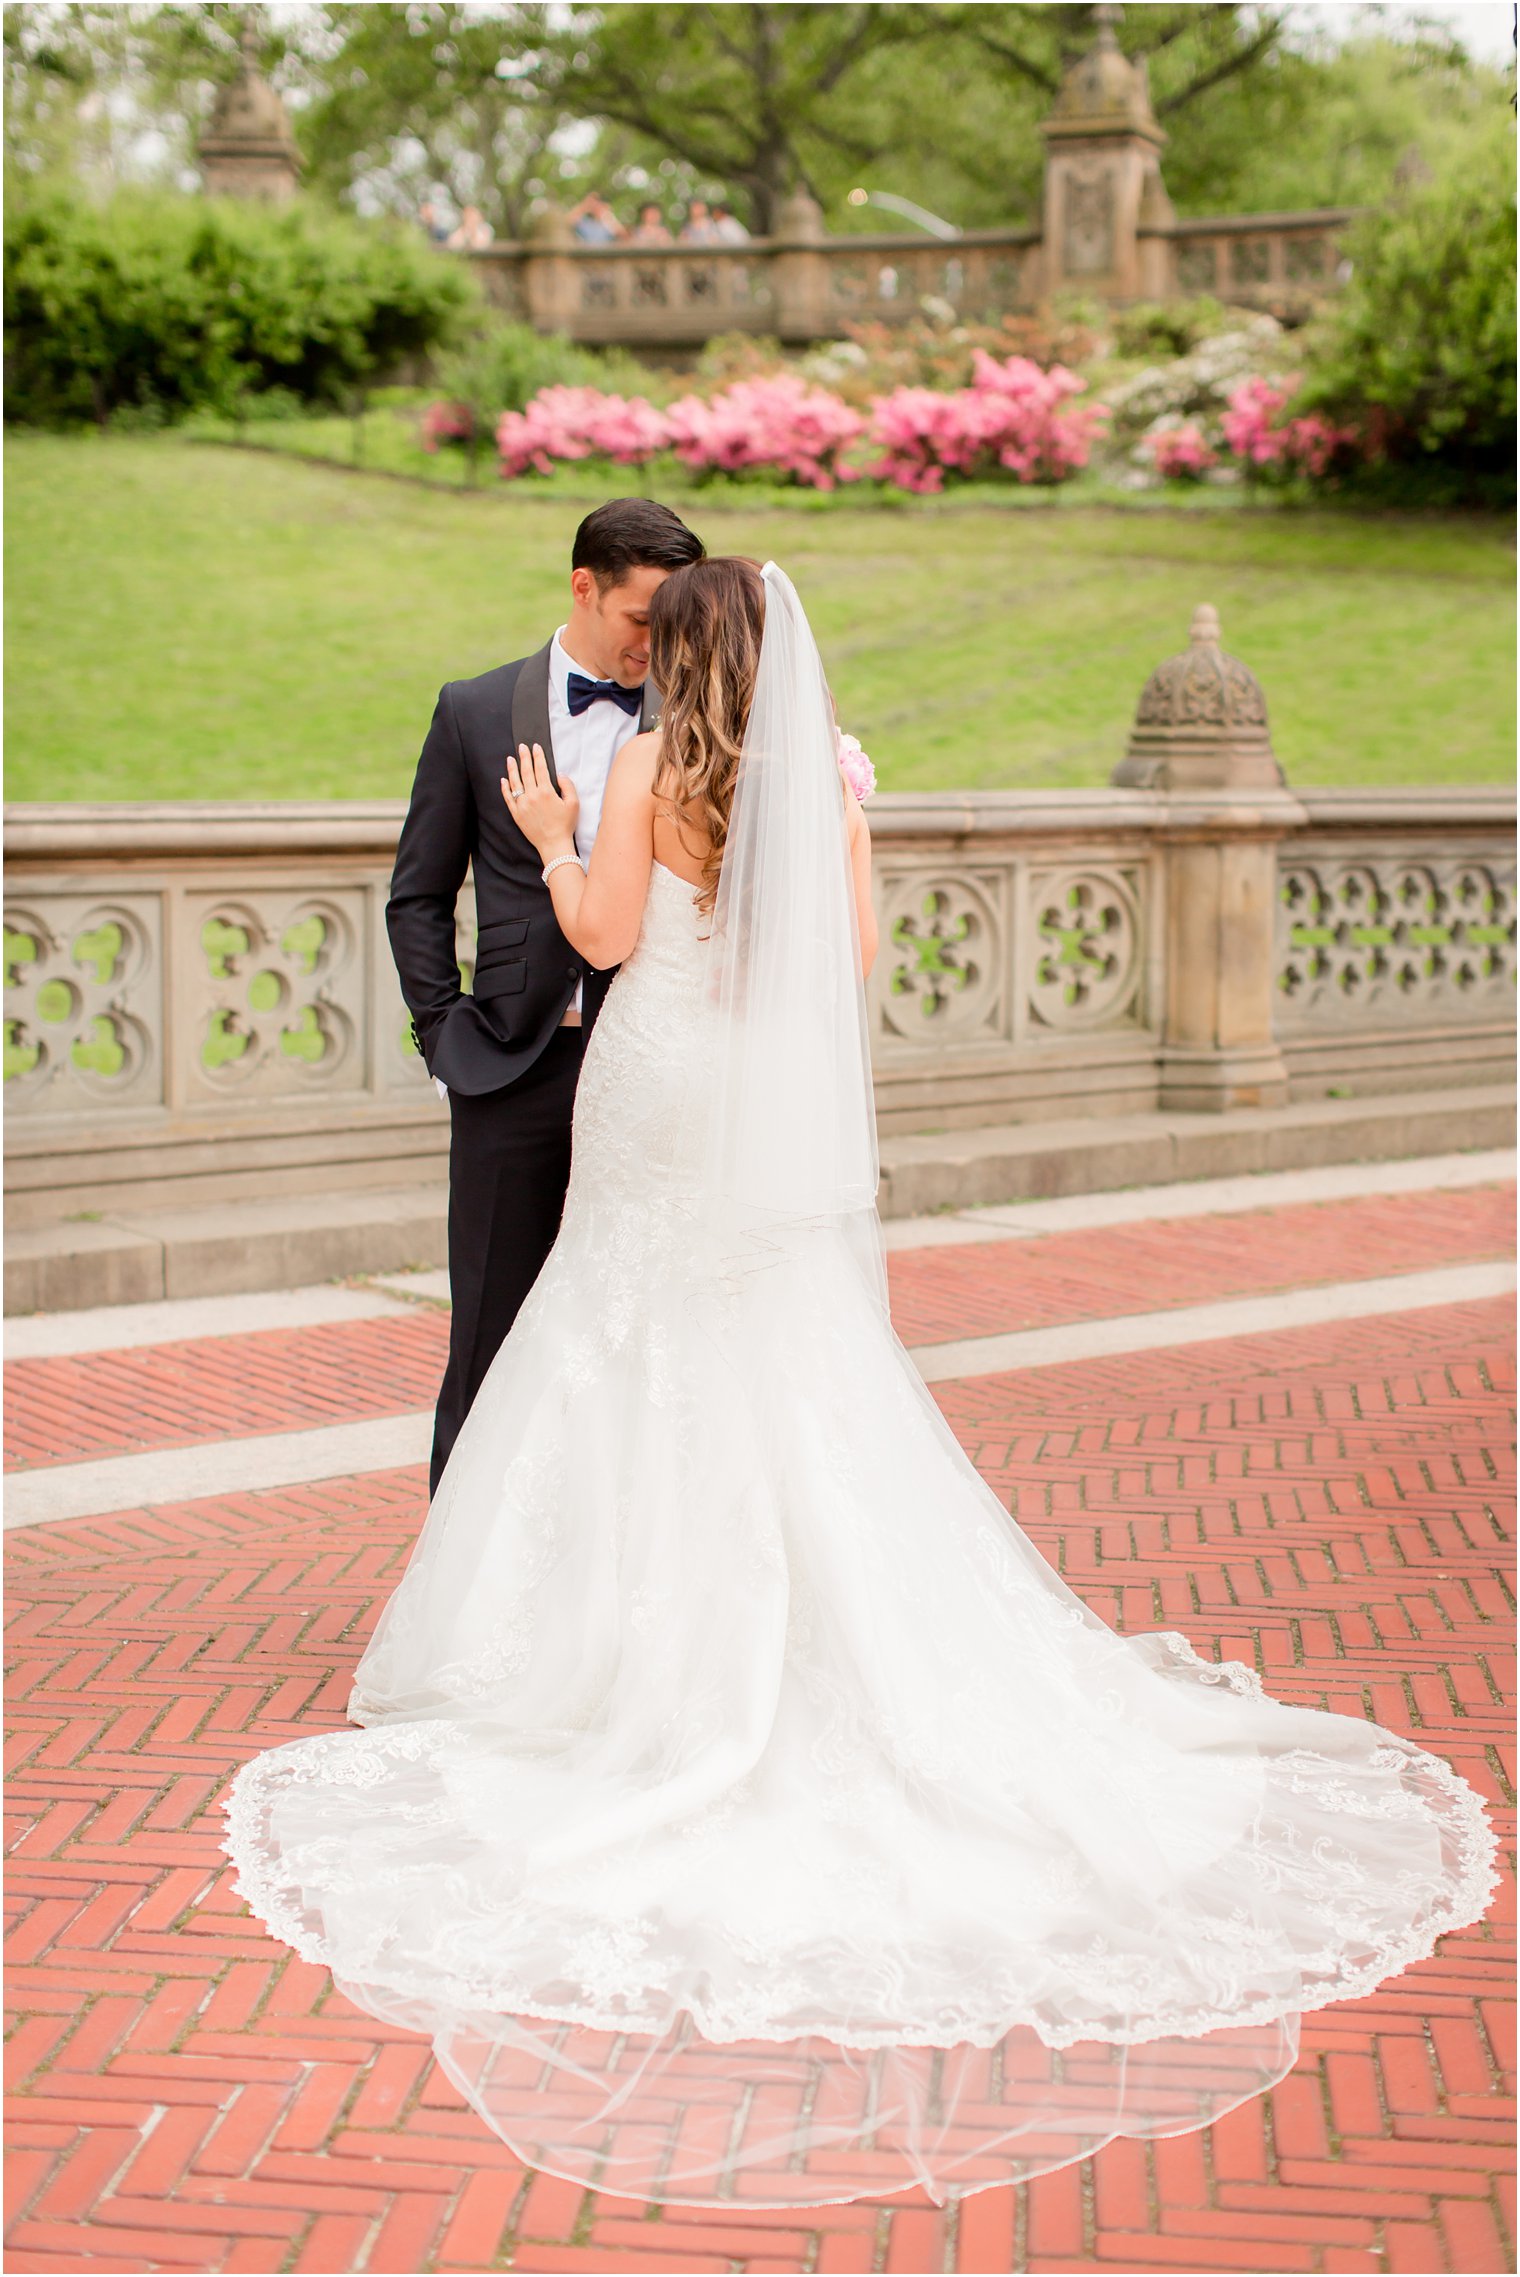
<point x="855" y="767"/>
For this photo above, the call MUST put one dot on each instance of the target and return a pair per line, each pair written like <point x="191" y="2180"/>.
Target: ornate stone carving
<point x="1305" y="259"/>
<point x="82" y="1002"/>
<point x="277" y="1003"/>
<point x="649" y="287"/>
<point x="598" y="288"/>
<point x="1201" y="721"/>
<point x="1197" y="267"/>
<point x="1084" y="964"/>
<point x="941" y="976"/>
<point x="248" y="150"/>
<point x="1088" y="247"/>
<point x="1250" y="261"/>
<point x="1362" y="939"/>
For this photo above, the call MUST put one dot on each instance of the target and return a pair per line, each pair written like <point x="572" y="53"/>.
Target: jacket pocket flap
<point x="505" y="933"/>
<point x="502" y="980"/>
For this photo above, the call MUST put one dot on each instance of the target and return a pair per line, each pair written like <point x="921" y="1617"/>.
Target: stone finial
<point x="1201" y="722"/>
<point x="800" y="218"/>
<point x="248" y="150"/>
<point x="1103" y="92"/>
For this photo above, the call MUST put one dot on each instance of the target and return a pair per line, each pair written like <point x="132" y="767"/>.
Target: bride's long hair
<point x="706" y="623"/>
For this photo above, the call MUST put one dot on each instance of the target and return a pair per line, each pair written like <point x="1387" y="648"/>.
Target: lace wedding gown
<point x="743" y="1806"/>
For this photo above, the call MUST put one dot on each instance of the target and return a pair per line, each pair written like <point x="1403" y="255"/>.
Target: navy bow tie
<point x="583" y="693"/>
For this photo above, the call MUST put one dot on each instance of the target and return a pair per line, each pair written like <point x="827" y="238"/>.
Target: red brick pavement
<point x="186" y="2095"/>
<point x="1029" y="1282"/>
<point x="221" y="1387"/>
<point x="110" y="1403"/>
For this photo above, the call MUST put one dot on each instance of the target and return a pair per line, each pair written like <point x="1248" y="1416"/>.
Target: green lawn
<point x="190" y="620"/>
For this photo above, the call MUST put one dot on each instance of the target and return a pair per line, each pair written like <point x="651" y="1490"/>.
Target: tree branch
<point x="1034" y="72"/>
<point x="1239" y="60"/>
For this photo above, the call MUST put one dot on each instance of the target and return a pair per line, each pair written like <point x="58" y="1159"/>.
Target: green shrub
<point x="162" y="304"/>
<point x="1154" y="328"/>
<point x="1419" y="352"/>
<point x="502" y="366"/>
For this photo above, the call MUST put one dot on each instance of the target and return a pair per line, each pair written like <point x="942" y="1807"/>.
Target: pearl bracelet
<point x="558" y="863"/>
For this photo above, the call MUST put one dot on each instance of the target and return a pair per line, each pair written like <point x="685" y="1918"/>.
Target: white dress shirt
<point x="584" y="749"/>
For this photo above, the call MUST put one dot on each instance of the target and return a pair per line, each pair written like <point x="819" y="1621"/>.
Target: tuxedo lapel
<point x="530" y="707"/>
<point x="650" y="710"/>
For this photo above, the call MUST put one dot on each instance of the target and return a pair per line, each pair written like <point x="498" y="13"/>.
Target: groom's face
<point x="610" y="630"/>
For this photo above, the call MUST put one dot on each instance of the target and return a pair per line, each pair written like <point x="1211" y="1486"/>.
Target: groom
<point x="507" y="1056"/>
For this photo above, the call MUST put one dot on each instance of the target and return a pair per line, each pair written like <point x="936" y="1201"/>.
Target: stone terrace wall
<point x="200" y="1001"/>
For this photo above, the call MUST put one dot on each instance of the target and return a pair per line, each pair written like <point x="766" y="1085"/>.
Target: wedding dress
<point x="740" y="1802"/>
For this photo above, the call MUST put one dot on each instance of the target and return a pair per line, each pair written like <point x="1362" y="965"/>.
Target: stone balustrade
<point x="809" y="287"/>
<point x="200" y="1001"/>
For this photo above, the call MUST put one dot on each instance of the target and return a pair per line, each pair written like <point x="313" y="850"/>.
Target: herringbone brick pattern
<point x="944" y="1294"/>
<point x="221" y="1387"/>
<point x="186" y="2095"/>
<point x="175" y="1394"/>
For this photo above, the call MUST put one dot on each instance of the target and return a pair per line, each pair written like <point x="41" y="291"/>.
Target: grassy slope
<point x="187" y="620"/>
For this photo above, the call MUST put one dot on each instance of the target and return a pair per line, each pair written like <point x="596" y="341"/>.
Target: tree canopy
<point x="506" y="105"/>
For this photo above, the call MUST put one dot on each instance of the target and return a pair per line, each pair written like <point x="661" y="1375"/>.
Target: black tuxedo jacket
<point x="525" y="969"/>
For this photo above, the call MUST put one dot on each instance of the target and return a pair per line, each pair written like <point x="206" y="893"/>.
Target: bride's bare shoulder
<point x="635" y="767"/>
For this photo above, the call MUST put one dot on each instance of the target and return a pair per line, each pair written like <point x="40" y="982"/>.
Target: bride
<point x="741" y="1804"/>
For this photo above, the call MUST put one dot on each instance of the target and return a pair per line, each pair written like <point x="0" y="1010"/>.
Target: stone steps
<point x="290" y="1240"/>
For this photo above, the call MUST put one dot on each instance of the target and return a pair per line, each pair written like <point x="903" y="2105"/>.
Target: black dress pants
<point x="509" y="1165"/>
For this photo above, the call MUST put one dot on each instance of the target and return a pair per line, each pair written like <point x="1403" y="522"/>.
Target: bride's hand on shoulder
<point x="546" y="816"/>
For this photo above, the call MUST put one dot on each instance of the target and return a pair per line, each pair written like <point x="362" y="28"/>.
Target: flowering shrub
<point x="1181" y="453"/>
<point x="1197" y="385"/>
<point x="854" y="765"/>
<point x="1256" y="430"/>
<point x="777" y="422"/>
<point x="580" y="423"/>
<point x="1011" y="416"/>
<point x="446" y="423"/>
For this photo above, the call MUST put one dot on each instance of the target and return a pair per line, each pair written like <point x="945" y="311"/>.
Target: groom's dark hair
<point x="633" y="533"/>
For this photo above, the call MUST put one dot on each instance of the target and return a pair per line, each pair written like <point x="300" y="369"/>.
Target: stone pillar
<point x="799" y="271"/>
<point x="551" y="291"/>
<point x="1201" y="741"/>
<point x="248" y="150"/>
<point x="1102" y="175"/>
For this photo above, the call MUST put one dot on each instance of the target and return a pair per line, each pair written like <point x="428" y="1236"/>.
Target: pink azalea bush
<point x="580" y="423"/>
<point x="1013" y="416"/>
<point x="777" y="422"/>
<point x="446" y="423"/>
<point x="1181" y="453"/>
<point x="1256" y="429"/>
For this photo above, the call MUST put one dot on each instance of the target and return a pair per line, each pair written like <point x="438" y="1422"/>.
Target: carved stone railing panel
<point x="82" y="997"/>
<point x="274" y="996"/>
<point x="1086" y="961"/>
<point x="190" y="984"/>
<point x="1252" y="257"/>
<point x="1364" y="939"/>
<point x="1019" y="953"/>
<point x="944" y="970"/>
